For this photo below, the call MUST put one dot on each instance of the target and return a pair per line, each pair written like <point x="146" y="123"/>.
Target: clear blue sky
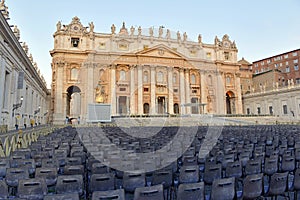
<point x="261" y="28"/>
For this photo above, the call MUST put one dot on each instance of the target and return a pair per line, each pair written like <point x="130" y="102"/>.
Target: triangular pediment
<point x="160" y="51"/>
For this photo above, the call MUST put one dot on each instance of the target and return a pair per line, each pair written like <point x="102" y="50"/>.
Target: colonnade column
<point x="113" y="89"/>
<point x="132" y="90"/>
<point x="58" y="115"/>
<point x="187" y="90"/>
<point x="153" y="90"/>
<point x="239" y="109"/>
<point x="140" y="90"/>
<point x="182" y="90"/>
<point x="220" y="94"/>
<point x="170" y="90"/>
<point x="203" y="92"/>
<point x="2" y="83"/>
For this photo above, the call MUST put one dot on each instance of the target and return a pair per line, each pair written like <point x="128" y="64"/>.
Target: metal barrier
<point x="11" y="142"/>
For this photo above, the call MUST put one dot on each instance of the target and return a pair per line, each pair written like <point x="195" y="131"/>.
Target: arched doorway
<point x="146" y="108"/>
<point x="73" y="102"/>
<point x="230" y="103"/>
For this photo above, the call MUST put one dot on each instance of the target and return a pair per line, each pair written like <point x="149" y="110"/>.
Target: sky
<point x="260" y="28"/>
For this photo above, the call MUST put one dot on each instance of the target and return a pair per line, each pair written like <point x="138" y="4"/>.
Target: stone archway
<point x="73" y="106"/>
<point x="230" y="103"/>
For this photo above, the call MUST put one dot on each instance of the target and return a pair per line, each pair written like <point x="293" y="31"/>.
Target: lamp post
<point x="16" y="106"/>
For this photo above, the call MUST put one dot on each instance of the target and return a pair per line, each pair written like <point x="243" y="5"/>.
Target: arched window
<point x="160" y="77"/>
<point x="228" y="80"/>
<point x="193" y="79"/>
<point x="209" y="80"/>
<point x="74" y="74"/>
<point x="122" y="75"/>
<point x="145" y="77"/>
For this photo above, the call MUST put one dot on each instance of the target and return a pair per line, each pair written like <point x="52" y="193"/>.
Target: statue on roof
<point x="178" y="36"/>
<point x="160" y="31"/>
<point x="140" y="31"/>
<point x="184" y="36"/>
<point x="58" y="26"/>
<point x="132" y="29"/>
<point x="151" y="31"/>
<point x="91" y="25"/>
<point x="113" y="29"/>
<point x="199" y="39"/>
<point x="168" y="35"/>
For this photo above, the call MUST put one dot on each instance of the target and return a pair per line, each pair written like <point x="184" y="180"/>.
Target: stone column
<point x="187" y="90"/>
<point x="58" y="116"/>
<point x="90" y="83"/>
<point x="113" y="89"/>
<point x="203" y="91"/>
<point x="239" y="104"/>
<point x="182" y="90"/>
<point x="220" y="94"/>
<point x="2" y="83"/>
<point x="140" y="90"/>
<point x="153" y="91"/>
<point x="170" y="90"/>
<point x="132" y="90"/>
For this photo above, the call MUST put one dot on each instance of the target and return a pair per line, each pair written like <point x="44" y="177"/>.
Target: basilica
<point x="142" y="71"/>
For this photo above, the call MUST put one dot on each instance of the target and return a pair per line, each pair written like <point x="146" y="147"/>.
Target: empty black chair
<point x="191" y="191"/>
<point x="164" y="177"/>
<point x="111" y="194"/>
<point x="73" y="170"/>
<point x="234" y="169"/>
<point x="297" y="183"/>
<point x="13" y="175"/>
<point x="271" y="165"/>
<point x="102" y="182"/>
<point x="133" y="180"/>
<point x="99" y="168"/>
<point x="223" y="189"/>
<point x="49" y="174"/>
<point x="189" y="174"/>
<point x="278" y="184"/>
<point x="32" y="189"/>
<point x="70" y="184"/>
<point x="4" y="164"/>
<point x="253" y="186"/>
<point x="253" y="167"/>
<point x="3" y="190"/>
<point x="149" y="193"/>
<point x="212" y="172"/>
<point x="62" y="197"/>
<point x="287" y="163"/>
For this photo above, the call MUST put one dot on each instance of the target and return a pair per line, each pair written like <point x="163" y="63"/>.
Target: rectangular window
<point x="258" y="110"/>
<point x="276" y="65"/>
<point x="268" y="61"/>
<point x="146" y="89"/>
<point x="175" y="90"/>
<point x="122" y="89"/>
<point x="286" y="55"/>
<point x="296" y="67"/>
<point x="226" y="55"/>
<point x="287" y="69"/>
<point x="271" y="110"/>
<point x="295" y="61"/>
<point x="74" y="42"/>
<point x="284" y="107"/>
<point x="194" y="91"/>
<point x="287" y="63"/>
<point x="295" y="54"/>
<point x="248" y="111"/>
<point x="297" y="80"/>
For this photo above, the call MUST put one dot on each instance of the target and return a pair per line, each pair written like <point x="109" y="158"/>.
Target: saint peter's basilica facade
<point x="142" y="72"/>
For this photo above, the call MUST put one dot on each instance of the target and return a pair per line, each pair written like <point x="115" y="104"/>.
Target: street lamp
<point x="17" y="105"/>
<point x="38" y="110"/>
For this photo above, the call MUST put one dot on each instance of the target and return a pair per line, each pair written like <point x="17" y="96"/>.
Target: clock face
<point x="226" y="44"/>
<point x="75" y="28"/>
